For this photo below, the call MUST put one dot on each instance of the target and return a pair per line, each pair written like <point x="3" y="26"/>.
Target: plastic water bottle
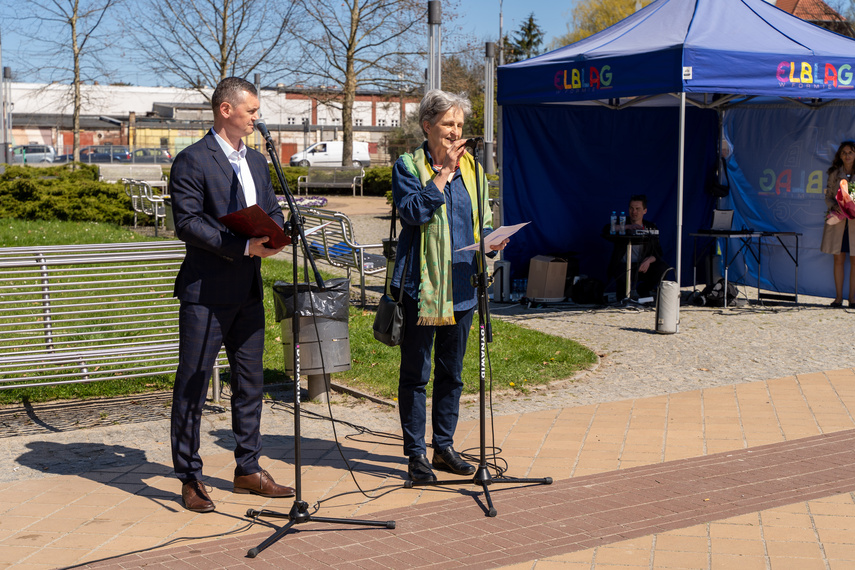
<point x="622" y="223"/>
<point x="613" y="225"/>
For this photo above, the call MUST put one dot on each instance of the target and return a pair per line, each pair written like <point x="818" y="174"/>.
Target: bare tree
<point x="361" y="43"/>
<point x="197" y="43"/>
<point x="70" y="27"/>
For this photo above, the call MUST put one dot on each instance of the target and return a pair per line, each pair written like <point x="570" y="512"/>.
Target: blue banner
<point x="778" y="160"/>
<point x="567" y="167"/>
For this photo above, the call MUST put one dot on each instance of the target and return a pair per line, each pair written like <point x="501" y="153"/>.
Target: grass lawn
<point x="519" y="357"/>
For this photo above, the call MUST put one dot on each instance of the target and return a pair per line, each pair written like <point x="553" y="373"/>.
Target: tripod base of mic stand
<point x="483" y="478"/>
<point x="299" y="514"/>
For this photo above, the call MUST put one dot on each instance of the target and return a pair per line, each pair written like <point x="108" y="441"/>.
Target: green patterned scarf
<point x="436" y="303"/>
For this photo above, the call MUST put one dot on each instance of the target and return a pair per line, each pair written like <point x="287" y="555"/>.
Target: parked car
<point x="158" y="155"/>
<point x="100" y="153"/>
<point x="328" y="153"/>
<point x="30" y="153"/>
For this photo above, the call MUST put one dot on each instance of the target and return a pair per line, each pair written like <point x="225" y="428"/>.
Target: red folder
<point x="254" y="222"/>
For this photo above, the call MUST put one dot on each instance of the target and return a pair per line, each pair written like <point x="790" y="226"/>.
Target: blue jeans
<point x="449" y="346"/>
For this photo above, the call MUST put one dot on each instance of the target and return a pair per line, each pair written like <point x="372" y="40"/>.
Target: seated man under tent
<point x="648" y="265"/>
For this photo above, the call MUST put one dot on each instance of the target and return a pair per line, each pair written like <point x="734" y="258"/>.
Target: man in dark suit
<point x="220" y="289"/>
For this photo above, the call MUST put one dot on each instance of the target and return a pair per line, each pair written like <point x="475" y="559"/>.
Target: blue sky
<point x="481" y="17"/>
<point x="478" y="18"/>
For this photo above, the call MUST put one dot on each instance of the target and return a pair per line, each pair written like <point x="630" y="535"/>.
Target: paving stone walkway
<point x="727" y="445"/>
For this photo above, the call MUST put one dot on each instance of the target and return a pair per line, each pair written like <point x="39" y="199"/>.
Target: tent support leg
<point x="680" y="166"/>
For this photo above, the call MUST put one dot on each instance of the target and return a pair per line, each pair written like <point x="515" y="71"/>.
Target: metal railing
<point x="84" y="313"/>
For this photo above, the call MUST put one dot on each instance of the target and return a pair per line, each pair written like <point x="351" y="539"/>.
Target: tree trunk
<point x="75" y="120"/>
<point x="349" y="90"/>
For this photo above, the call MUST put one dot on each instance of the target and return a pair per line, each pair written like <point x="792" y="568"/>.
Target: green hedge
<point x="377" y="180"/>
<point x="60" y="193"/>
<point x="291" y="174"/>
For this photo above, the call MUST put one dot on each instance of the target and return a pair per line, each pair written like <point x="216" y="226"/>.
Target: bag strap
<point x="392" y="236"/>
<point x="404" y="276"/>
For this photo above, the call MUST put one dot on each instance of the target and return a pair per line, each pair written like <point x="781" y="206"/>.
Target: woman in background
<point x="839" y="239"/>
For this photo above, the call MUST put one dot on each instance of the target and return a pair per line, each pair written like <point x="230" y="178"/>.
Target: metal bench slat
<point x="66" y="311"/>
<point x="60" y="344"/>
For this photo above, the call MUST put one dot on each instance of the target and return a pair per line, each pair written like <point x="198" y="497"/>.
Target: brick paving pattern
<point x="726" y="446"/>
<point x="548" y="520"/>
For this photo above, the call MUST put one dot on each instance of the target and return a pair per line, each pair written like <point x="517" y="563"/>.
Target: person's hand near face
<point x="444" y="143"/>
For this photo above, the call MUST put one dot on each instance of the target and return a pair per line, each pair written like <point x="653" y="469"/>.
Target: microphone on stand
<point x="262" y="128"/>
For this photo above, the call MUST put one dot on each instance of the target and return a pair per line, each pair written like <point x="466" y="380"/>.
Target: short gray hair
<point x="436" y="102"/>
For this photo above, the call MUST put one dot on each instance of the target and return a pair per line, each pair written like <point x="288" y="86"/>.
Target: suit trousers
<point x="203" y="330"/>
<point x="449" y="346"/>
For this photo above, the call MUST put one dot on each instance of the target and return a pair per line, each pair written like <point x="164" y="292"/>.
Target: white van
<point x="328" y="153"/>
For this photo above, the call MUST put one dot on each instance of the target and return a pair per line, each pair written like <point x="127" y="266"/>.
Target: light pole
<point x="2" y="107"/>
<point x="3" y="131"/>
<point x="501" y="36"/>
<point x="7" y="114"/>
<point x="499" y="157"/>
<point x="489" y="61"/>
<point x="434" y="78"/>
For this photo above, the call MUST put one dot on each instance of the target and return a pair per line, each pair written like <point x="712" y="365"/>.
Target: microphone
<point x="262" y="128"/>
<point x="472" y="143"/>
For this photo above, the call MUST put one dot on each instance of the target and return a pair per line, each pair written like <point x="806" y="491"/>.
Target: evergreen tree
<point x="526" y="41"/>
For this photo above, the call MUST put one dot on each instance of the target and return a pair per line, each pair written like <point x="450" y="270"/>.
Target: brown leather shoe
<point x="196" y="498"/>
<point x="261" y="483"/>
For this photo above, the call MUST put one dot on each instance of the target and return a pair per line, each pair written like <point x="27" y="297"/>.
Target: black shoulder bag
<point x="389" y="320"/>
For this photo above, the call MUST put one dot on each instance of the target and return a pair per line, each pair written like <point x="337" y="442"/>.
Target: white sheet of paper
<point x="499" y="235"/>
<point x="316" y="228"/>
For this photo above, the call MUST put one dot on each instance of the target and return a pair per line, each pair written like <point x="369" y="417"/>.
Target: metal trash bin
<point x="667" y="306"/>
<point x="502" y="281"/>
<point x="324" y="335"/>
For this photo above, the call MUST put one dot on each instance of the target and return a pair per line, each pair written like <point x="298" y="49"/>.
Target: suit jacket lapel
<point x="236" y="191"/>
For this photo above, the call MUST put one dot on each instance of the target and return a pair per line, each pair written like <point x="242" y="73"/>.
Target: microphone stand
<point x="481" y="281"/>
<point x="299" y="512"/>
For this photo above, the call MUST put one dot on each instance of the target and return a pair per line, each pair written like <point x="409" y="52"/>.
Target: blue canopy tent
<point x="587" y="125"/>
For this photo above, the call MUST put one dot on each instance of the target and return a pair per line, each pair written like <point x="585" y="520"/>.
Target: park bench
<point x="84" y="313"/>
<point x="151" y="174"/>
<point x="145" y="201"/>
<point x="336" y="245"/>
<point x="139" y="180"/>
<point x="325" y="178"/>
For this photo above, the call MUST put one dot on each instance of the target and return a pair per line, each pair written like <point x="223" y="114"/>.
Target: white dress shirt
<point x="237" y="158"/>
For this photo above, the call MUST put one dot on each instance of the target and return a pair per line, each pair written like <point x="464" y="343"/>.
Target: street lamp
<point x="434" y="78"/>
<point x="6" y="112"/>
<point x="489" y="61"/>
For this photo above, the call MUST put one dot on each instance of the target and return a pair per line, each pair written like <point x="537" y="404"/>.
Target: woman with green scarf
<point x="434" y="190"/>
